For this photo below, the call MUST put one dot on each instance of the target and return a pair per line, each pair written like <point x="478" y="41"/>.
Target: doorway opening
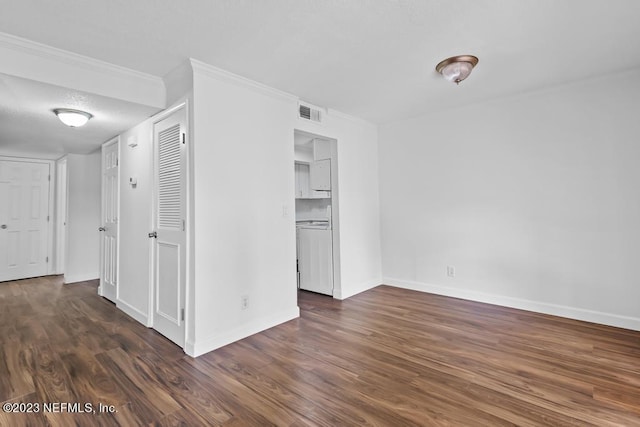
<point x="317" y="213"/>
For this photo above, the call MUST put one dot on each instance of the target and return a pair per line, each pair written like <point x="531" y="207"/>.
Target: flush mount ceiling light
<point x="72" y="118"/>
<point x="457" y="68"/>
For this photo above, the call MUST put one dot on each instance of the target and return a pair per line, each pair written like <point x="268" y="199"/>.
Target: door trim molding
<point x="60" y="223"/>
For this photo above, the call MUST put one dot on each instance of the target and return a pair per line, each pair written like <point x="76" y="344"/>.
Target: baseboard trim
<point x="354" y="290"/>
<point x="198" y="348"/>
<point x="575" y="313"/>
<point x="133" y="312"/>
<point x="80" y="278"/>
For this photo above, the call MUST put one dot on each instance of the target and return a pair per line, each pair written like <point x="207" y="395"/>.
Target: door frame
<point x="52" y="219"/>
<point x="61" y="208"/>
<point x="183" y="104"/>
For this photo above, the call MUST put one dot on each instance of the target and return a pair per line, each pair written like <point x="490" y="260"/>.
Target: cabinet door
<point x="315" y="260"/>
<point x="320" y="175"/>
<point x="321" y="149"/>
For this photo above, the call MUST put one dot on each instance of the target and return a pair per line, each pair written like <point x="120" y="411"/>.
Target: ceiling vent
<point x="309" y="112"/>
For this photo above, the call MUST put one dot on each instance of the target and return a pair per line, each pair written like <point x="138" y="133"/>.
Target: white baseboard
<point x="80" y="278"/>
<point x="342" y="294"/>
<point x="138" y="315"/>
<point x="195" y="349"/>
<point x="602" y="318"/>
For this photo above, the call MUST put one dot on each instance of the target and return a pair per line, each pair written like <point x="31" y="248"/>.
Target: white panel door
<point x="109" y="229"/>
<point x="315" y="260"/>
<point x="170" y="236"/>
<point x="24" y="216"/>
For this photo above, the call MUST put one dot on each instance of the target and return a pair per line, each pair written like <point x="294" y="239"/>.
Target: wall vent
<point x="309" y="112"/>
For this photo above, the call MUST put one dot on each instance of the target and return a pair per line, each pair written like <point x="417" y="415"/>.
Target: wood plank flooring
<point x="386" y="357"/>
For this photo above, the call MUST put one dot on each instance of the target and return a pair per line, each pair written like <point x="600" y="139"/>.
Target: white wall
<point x="135" y="222"/>
<point x="358" y="199"/>
<point x="242" y="178"/>
<point x="533" y="199"/>
<point x="303" y="155"/>
<point x="84" y="201"/>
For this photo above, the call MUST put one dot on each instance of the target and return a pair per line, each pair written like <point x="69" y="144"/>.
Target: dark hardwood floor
<point x="386" y="357"/>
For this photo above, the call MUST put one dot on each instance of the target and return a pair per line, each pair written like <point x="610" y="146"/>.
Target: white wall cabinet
<point x="315" y="260"/>
<point x="320" y="175"/>
<point x="306" y="173"/>
<point x="321" y="149"/>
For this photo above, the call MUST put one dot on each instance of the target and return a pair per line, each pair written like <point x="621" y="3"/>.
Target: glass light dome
<point x="72" y="118"/>
<point x="457" y="68"/>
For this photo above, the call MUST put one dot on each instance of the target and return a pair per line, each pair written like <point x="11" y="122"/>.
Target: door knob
<point x="153" y="234"/>
<point x="3" y="226"/>
<point x="101" y="229"/>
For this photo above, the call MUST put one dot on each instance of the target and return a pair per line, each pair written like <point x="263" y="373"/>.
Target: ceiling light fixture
<point x="72" y="118"/>
<point x="457" y="68"/>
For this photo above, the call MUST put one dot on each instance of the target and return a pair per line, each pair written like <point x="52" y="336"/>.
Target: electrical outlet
<point x="451" y="271"/>
<point x="244" y="302"/>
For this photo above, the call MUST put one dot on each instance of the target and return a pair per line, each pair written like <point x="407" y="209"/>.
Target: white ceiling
<point x="29" y="125"/>
<point x="373" y="59"/>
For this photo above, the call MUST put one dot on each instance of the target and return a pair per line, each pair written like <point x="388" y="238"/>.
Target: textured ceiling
<point x="373" y="59"/>
<point x="28" y="125"/>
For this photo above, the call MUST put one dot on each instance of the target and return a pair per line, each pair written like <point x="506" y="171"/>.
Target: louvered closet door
<point x="169" y="245"/>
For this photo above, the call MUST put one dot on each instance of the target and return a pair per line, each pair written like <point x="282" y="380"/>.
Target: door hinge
<point x="183" y="225"/>
<point x="49" y="178"/>
<point x="182" y="314"/>
<point x="46" y="259"/>
<point x="47" y="218"/>
<point x="184" y="138"/>
<point x="117" y="161"/>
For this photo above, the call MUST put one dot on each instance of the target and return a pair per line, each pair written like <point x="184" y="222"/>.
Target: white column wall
<point x="242" y="178"/>
<point x="84" y="203"/>
<point x="135" y="222"/>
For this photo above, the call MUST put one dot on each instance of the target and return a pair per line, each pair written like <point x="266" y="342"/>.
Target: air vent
<point x="309" y="113"/>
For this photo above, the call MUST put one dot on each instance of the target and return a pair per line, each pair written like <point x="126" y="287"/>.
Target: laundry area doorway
<point x="316" y="213"/>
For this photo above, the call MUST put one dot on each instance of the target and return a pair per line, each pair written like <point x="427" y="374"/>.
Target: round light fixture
<point x="72" y="118"/>
<point x="457" y="68"/>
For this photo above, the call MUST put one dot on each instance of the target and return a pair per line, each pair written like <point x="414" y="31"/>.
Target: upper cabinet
<point x="313" y="180"/>
<point x="320" y="175"/>
<point x="321" y="149"/>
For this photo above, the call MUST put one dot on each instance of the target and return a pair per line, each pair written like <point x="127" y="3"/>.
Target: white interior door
<point x="109" y="229"/>
<point x="170" y="236"/>
<point x="24" y="216"/>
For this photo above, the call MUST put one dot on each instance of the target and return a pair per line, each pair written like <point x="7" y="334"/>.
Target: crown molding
<point x="17" y="43"/>
<point x="339" y="114"/>
<point x="36" y="61"/>
<point x="228" y="77"/>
